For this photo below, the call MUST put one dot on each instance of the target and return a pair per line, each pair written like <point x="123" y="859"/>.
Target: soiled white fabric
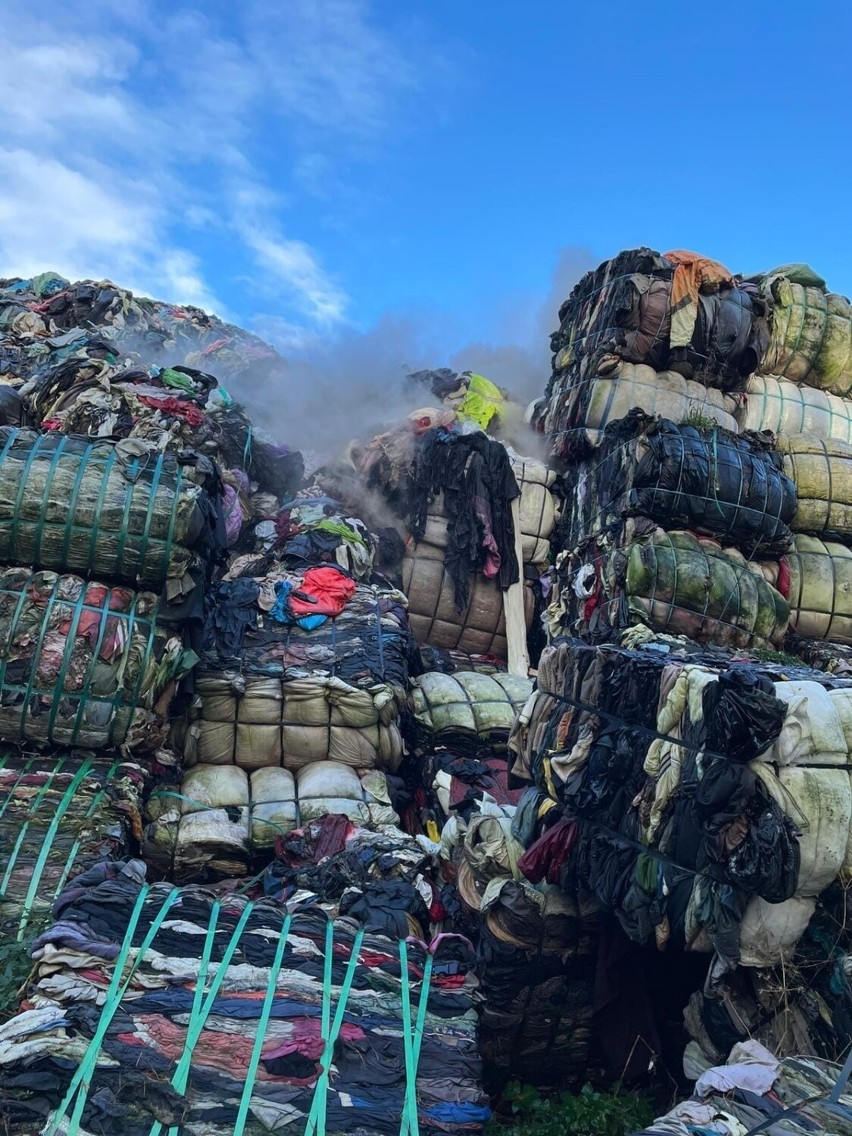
<point x="769" y="932"/>
<point x="819" y="801"/>
<point x="750" y="1066"/>
<point x="812" y="733"/>
<point x="224" y="819"/>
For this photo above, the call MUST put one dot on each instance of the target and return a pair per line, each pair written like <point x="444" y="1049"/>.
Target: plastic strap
<point x="181" y="1073"/>
<point x="117" y="989"/>
<point x="36" y="656"/>
<point x="28" y="767"/>
<point x="149" y="517"/>
<point x="132" y="622"/>
<point x="66" y="660"/>
<point x="45" y="499"/>
<point x="50" y="836"/>
<point x="93" y="539"/>
<point x="90" y="812"/>
<point x="12" y="626"/>
<point x="262" y="1025"/>
<point x="201" y="1011"/>
<point x="22" y="832"/>
<point x="22" y="488"/>
<point x="316" y="1118"/>
<point x="410" y="1124"/>
<point x="170" y="535"/>
<point x="70" y="525"/>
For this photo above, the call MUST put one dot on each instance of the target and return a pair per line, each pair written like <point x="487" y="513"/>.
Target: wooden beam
<point x="513" y="606"/>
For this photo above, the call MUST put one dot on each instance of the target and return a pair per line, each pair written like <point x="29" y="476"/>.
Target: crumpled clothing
<point x="322" y="593"/>
<point x="693" y="273"/>
<point x="750" y="1066"/>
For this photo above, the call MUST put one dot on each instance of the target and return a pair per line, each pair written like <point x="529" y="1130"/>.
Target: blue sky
<point x="334" y="172"/>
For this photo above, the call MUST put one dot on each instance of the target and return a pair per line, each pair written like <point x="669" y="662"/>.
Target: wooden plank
<point x="513" y="606"/>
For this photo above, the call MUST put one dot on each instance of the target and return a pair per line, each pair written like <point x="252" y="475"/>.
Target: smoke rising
<point x="354" y="384"/>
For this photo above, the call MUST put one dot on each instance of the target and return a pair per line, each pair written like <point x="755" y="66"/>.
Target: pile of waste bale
<point x="332" y="800"/>
<point x="687" y="748"/>
<point x="703" y="424"/>
<point x="210" y="674"/>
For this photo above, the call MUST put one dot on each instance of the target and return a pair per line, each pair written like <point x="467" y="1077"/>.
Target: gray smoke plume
<point x="355" y="385"/>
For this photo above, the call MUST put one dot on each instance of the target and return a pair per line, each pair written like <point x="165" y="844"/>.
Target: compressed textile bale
<point x="700" y="478"/>
<point x="813" y="732"/>
<point x="82" y="664"/>
<point x="820" y="590"/>
<point x="811" y="334"/>
<point x="222" y="821"/>
<point x="273" y="693"/>
<point x="589" y="404"/>
<point x="268" y="966"/>
<point x="119" y="511"/>
<point x="434" y="617"/>
<point x="678" y="583"/>
<point x="822" y="471"/>
<point x="769" y="932"/>
<point x="471" y="707"/>
<point x="255" y="722"/>
<point x="60" y="814"/>
<point x="638" y="305"/>
<point x="783" y="408"/>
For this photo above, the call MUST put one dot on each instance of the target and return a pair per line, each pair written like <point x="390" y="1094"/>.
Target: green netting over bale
<point x="822" y="471"/>
<point x="222" y="821"/>
<point x="120" y="511"/>
<point x="820" y="589"/>
<point x="678" y="583"/>
<point x="783" y="407"/>
<point x="611" y="389"/>
<point x="729" y="486"/>
<point x="467" y="708"/>
<point x="811" y="334"/>
<point x="82" y="664"/>
<point x="60" y="815"/>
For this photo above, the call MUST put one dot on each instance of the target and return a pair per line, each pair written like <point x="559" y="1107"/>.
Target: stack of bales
<point x="702" y="425"/>
<point x="742" y="384"/>
<point x="206" y="668"/>
<point x="109" y="548"/>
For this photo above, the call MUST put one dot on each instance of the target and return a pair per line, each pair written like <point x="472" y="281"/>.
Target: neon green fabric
<point x="482" y="401"/>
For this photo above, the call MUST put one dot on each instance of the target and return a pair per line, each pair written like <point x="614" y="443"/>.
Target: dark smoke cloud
<point x="354" y="384"/>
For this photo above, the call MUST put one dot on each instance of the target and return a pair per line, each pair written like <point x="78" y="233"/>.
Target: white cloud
<point x="119" y="147"/>
<point x="50" y="212"/>
<point x="294" y="264"/>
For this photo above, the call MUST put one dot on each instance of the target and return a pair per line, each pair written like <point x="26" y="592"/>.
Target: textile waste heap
<point x="333" y="800"/>
<point x="216" y="824"/>
<point x="686" y="753"/>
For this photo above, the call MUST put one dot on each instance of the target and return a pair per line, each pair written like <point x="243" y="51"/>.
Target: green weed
<point x="587" y="1113"/>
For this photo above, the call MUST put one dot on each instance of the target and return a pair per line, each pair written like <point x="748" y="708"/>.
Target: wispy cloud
<point x="118" y="148"/>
